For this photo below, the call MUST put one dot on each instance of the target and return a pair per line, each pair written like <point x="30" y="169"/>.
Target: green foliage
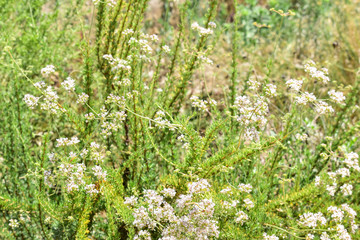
<point x="201" y="116"/>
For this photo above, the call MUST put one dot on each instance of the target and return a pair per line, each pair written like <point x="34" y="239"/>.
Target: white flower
<point x="99" y="173"/>
<point x="270" y="237"/>
<point x="31" y="101"/>
<point x="143" y="235"/>
<point x="197" y="103"/>
<point x="13" y="223"/>
<point x="323" y="108"/>
<point x="337" y="97"/>
<point x="154" y="37"/>
<point x="46" y="71"/>
<point x="212" y="24"/>
<point x="128" y="31"/>
<point x="201" y="185"/>
<point x="294" y="84"/>
<point x="351" y="212"/>
<point x="346" y="189"/>
<point x="301" y="137"/>
<point x="248" y="204"/>
<point x="168" y="192"/>
<point x="183" y="200"/>
<point x="309" y="236"/>
<point x="226" y="190"/>
<point x="344" y="172"/>
<point x="342" y="233"/>
<point x="351" y="161"/>
<point x="305" y="98"/>
<point x="40" y="84"/>
<point x="270" y="90"/>
<point x="130" y="200"/>
<point x="229" y="205"/>
<point x="325" y="236"/>
<point x="166" y="49"/>
<point x="254" y="84"/>
<point x="245" y="187"/>
<point x="316" y="73"/>
<point x="67" y="142"/>
<point x="82" y="98"/>
<point x="69" y="84"/>
<point x="317" y="181"/>
<point x="90" y="189"/>
<point x="311" y="219"/>
<point x="201" y="30"/>
<point x="331" y="189"/>
<point x="337" y="214"/>
<point x="241" y="217"/>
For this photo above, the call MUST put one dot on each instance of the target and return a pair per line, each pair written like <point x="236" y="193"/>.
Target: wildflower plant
<point x="114" y="143"/>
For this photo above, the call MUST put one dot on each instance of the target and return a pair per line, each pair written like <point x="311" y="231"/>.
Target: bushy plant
<point x="110" y="132"/>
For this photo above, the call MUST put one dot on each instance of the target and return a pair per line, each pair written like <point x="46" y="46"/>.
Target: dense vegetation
<point x="159" y="119"/>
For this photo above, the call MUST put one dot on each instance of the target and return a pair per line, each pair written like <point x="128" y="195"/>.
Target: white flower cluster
<point x="312" y="220"/>
<point x="202" y="104"/>
<point x="50" y="101"/>
<point x="110" y="3"/>
<point x="131" y="200"/>
<point x="109" y="121"/>
<point x="192" y="220"/>
<point x="241" y="217"/>
<point x="270" y="90"/>
<point x="323" y="108"/>
<point x="97" y="153"/>
<point x="305" y="98"/>
<point x="91" y="189"/>
<point x="254" y="83"/>
<point x="248" y="204"/>
<point x="75" y="174"/>
<point x="120" y="101"/>
<point x="200" y="186"/>
<point x="40" y="84"/>
<point x="82" y="98"/>
<point x="338" y="216"/>
<point x="69" y="84"/>
<point x="46" y="71"/>
<point x="351" y="161"/>
<point x="251" y="112"/>
<point x="203" y="59"/>
<point x="226" y="190"/>
<point x="229" y="205"/>
<point x="201" y="30"/>
<point x="245" y="187"/>
<point x="128" y="31"/>
<point x="99" y="172"/>
<point x="270" y="237"/>
<point x="117" y="64"/>
<point x="346" y="189"/>
<point x="168" y="192"/>
<point x="67" y="142"/>
<point x="166" y="49"/>
<point x="294" y="84"/>
<point x="13" y="223"/>
<point x="301" y="137"/>
<point x="318" y="74"/>
<point x="161" y="122"/>
<point x="337" y="97"/>
<point x="182" y="139"/>
<point x="31" y="101"/>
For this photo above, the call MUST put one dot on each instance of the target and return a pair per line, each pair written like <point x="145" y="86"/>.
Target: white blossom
<point x="69" y="84"/>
